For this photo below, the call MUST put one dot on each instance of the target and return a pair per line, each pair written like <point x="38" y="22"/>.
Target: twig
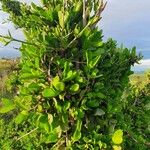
<point x="78" y="35"/>
<point x="79" y="62"/>
<point x="20" y="41"/>
<point x="84" y="13"/>
<point x="26" y="134"/>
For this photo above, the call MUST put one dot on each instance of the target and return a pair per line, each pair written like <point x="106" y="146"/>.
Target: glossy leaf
<point x="117" y="137"/>
<point x="77" y="133"/>
<point x="99" y="112"/>
<point x="22" y="116"/>
<point x="50" y="92"/>
<point x="74" y="88"/>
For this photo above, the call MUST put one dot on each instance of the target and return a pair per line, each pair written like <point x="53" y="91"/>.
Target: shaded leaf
<point x="99" y="112"/>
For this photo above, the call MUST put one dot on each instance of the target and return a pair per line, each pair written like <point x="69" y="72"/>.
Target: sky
<point x="126" y="21"/>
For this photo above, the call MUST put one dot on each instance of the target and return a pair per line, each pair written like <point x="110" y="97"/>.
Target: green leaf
<point x="50" y="92"/>
<point x="3" y="41"/>
<point x="115" y="147"/>
<point x="147" y="106"/>
<point x="79" y="79"/>
<point x="23" y="102"/>
<point x="67" y="66"/>
<point x="27" y="76"/>
<point x="117" y="137"/>
<point x="79" y="125"/>
<point x="99" y="112"/>
<point x="60" y="86"/>
<point x="57" y="106"/>
<point x="66" y="105"/>
<point x="6" y="105"/>
<point x="78" y="6"/>
<point x="92" y="103"/>
<point x="77" y="134"/>
<point x="74" y="88"/>
<point x="100" y="95"/>
<point x="65" y="118"/>
<point x="53" y="136"/>
<point x="94" y="62"/>
<point x="43" y="123"/>
<point x="61" y="18"/>
<point x="21" y="117"/>
<point x="55" y="80"/>
<point x="50" y="118"/>
<point x="69" y="76"/>
<point x="37" y="63"/>
<point x="33" y="87"/>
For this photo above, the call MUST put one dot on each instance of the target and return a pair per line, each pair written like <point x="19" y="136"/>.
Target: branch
<point x="99" y="12"/>
<point x="79" y="34"/>
<point x="17" y="40"/>
<point x="26" y="134"/>
<point x="84" y="13"/>
<point x="24" y="42"/>
<point x="101" y="8"/>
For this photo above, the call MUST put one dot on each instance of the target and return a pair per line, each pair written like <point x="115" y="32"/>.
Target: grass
<point x="6" y="67"/>
<point x="139" y="80"/>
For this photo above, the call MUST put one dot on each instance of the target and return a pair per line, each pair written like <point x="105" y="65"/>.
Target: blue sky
<point x="126" y="21"/>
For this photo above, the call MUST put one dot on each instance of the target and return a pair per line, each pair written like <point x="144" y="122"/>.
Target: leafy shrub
<point x="70" y="82"/>
<point x="137" y="117"/>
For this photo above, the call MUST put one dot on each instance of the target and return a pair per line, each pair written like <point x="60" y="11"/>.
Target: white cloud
<point x="144" y="63"/>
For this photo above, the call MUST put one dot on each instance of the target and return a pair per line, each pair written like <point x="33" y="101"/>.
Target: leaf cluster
<point x="70" y="82"/>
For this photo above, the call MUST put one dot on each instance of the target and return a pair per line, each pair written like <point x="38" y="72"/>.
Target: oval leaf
<point x="21" y="117"/>
<point x="74" y="88"/>
<point x="49" y="92"/>
<point x="117" y="137"/>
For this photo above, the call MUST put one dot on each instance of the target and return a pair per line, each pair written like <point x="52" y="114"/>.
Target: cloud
<point x="144" y="63"/>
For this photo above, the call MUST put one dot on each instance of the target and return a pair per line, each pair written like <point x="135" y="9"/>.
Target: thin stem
<point x="84" y="13"/>
<point x="79" y="62"/>
<point x="17" y="40"/>
<point x="26" y="134"/>
<point x="79" y="34"/>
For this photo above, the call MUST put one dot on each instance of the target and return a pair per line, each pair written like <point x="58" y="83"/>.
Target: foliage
<point x="139" y="80"/>
<point x="70" y="82"/>
<point x="137" y="116"/>
<point x="7" y="66"/>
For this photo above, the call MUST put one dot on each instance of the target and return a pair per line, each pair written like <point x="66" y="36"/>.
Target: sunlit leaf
<point x="50" y="92"/>
<point x="22" y="116"/>
<point x="74" y="88"/>
<point x="6" y="105"/>
<point x="115" y="147"/>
